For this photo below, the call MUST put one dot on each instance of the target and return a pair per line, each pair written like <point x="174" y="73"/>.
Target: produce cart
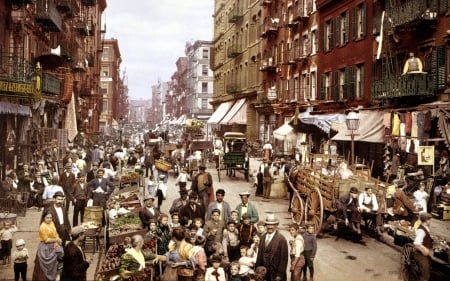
<point x="316" y="192"/>
<point x="129" y="177"/>
<point x="235" y="157"/>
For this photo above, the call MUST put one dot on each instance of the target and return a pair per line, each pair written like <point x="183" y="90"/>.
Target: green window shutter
<point x="336" y="85"/>
<point x="354" y="24"/>
<point x="441" y="70"/>
<point x="322" y="87"/>
<point x="350" y="77"/>
<point x="363" y="19"/>
<point x="323" y="41"/>
<point x="346" y="27"/>
<point x="443" y="6"/>
<point x="331" y="35"/>
<point x="337" y="30"/>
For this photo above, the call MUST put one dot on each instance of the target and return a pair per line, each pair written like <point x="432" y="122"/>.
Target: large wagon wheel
<point x="314" y="208"/>
<point x="297" y="209"/>
<point x="219" y="165"/>
<point x="409" y="267"/>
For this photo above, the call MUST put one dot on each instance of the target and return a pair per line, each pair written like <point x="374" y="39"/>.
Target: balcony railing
<point x="67" y="6"/>
<point x="235" y="15"/>
<point x="48" y="16"/>
<point x="403" y="86"/>
<point x="234" y="51"/>
<point x="270" y="27"/>
<point x="233" y="88"/>
<point x="411" y="12"/>
<point x="268" y="64"/>
<point x="15" y="68"/>
<point x="51" y="85"/>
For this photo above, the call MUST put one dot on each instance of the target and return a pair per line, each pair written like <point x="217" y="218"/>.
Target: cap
<point x="244" y="193"/>
<point x="424" y="216"/>
<point x="68" y="166"/>
<point x="58" y="193"/>
<point x="162" y="176"/>
<point x="202" y="167"/>
<point x="149" y="198"/>
<point x="183" y="191"/>
<point x="354" y="190"/>
<point x="77" y="230"/>
<point x="20" y="242"/>
<point x="270" y="219"/>
<point x="246" y="216"/>
<point x="193" y="196"/>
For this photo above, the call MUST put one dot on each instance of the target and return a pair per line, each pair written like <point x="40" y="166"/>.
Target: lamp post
<point x="352" y="122"/>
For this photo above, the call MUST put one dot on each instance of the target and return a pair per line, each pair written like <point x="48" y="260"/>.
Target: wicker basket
<point x="162" y="165"/>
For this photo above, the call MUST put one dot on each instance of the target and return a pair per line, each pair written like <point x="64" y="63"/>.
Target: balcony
<point x="67" y="6"/>
<point x="403" y="86"/>
<point x="268" y="65"/>
<point x="80" y="65"/>
<point x="291" y="56"/>
<point x="66" y="50"/>
<point x="234" y="51"/>
<point x="83" y="27"/>
<point x="270" y="27"/>
<point x="48" y="16"/>
<point x="51" y="85"/>
<point x="411" y="13"/>
<point x="235" y="15"/>
<point x="233" y="88"/>
<point x="88" y="2"/>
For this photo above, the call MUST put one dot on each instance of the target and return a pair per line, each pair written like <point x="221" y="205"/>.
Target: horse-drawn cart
<point x="315" y="192"/>
<point x="235" y="157"/>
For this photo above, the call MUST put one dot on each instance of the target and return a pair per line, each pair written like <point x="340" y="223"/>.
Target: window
<point x="105" y="54"/>
<point x="325" y="93"/>
<point x="105" y="71"/>
<point x="343" y="29"/>
<point x="204" y="69"/>
<point x="313" y="86"/>
<point x="315" y="42"/>
<point x="205" y="53"/>
<point x="305" y="93"/>
<point x="204" y="87"/>
<point x="105" y="106"/>
<point x="359" y="21"/>
<point x="104" y="91"/>
<point x="204" y="103"/>
<point x="328" y="35"/>
<point x="359" y="81"/>
<point x="306" y="45"/>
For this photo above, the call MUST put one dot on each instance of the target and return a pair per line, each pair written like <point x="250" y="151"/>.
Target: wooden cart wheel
<point x="297" y="209"/>
<point x="410" y="269"/>
<point x="219" y="166"/>
<point x="314" y="209"/>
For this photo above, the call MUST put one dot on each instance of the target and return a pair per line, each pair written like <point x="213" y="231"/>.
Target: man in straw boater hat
<point x="246" y="207"/>
<point x="273" y="251"/>
<point x="149" y="212"/>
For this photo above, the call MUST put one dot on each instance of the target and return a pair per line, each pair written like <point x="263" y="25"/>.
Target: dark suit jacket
<point x="274" y="257"/>
<point x="67" y="183"/>
<point x="105" y="184"/>
<point x="186" y="213"/>
<point x="146" y="216"/>
<point x="74" y="266"/>
<point x="64" y="229"/>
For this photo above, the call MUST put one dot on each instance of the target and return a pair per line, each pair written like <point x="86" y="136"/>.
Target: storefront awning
<point x="16" y="109"/>
<point x="237" y="114"/>
<point x="371" y="128"/>
<point x="220" y="112"/>
<point x="285" y="132"/>
<point x="321" y="121"/>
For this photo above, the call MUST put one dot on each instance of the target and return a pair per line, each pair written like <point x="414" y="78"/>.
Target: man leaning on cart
<point x="424" y="246"/>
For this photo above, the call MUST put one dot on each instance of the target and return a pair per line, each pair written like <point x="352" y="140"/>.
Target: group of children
<point x="20" y="254"/>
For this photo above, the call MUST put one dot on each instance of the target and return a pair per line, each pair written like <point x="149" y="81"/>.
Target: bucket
<point x="7" y="217"/>
<point x="94" y="214"/>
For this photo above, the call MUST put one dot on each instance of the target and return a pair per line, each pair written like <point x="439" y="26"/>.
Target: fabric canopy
<point x="322" y="121"/>
<point x="220" y="112"/>
<point x="237" y="114"/>
<point x="285" y="132"/>
<point x="371" y="128"/>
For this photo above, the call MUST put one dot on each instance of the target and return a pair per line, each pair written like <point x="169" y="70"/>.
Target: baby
<point x="247" y="261"/>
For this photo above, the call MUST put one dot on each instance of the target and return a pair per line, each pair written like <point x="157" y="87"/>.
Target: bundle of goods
<point x="126" y="225"/>
<point x="162" y="165"/>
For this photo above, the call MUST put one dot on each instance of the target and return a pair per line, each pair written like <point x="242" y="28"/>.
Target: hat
<point x="20" y="242"/>
<point x="424" y="216"/>
<point x="149" y="197"/>
<point x="68" y="166"/>
<point x="162" y="176"/>
<point x="58" y="193"/>
<point x="246" y="216"/>
<point x="77" y="230"/>
<point x="202" y="167"/>
<point x="193" y="196"/>
<point x="95" y="163"/>
<point x="183" y="191"/>
<point x="270" y="219"/>
<point x="354" y="190"/>
<point x="220" y="191"/>
<point x="244" y="193"/>
<point x="101" y="170"/>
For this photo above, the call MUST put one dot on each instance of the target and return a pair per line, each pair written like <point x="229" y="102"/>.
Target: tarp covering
<point x="220" y="112"/>
<point x="237" y="114"/>
<point x="371" y="128"/>
<point x="285" y="132"/>
<point x="322" y="121"/>
<point x="12" y="108"/>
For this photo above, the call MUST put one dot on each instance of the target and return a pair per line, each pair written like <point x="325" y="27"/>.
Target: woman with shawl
<point x="180" y="258"/>
<point x="49" y="253"/>
<point x="133" y="262"/>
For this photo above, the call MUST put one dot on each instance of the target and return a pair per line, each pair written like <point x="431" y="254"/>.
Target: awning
<point x="181" y="119"/>
<point x="371" y="128"/>
<point x="322" y="121"/>
<point x="237" y="114"/>
<point x="220" y="112"/>
<point x="285" y="132"/>
<point x="12" y="108"/>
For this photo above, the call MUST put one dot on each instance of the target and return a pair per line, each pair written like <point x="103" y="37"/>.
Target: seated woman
<point x="133" y="262"/>
<point x="346" y="203"/>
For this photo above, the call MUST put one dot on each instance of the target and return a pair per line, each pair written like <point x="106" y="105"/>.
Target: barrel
<point x="278" y="189"/>
<point x="94" y="214"/>
<point x="7" y="217"/>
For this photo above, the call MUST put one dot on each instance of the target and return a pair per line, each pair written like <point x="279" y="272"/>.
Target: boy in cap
<point x="148" y="212"/>
<point x="180" y="202"/>
<point x="75" y="264"/>
<point x="20" y="256"/>
<point x="222" y="205"/>
<point x="246" y="230"/>
<point x="191" y="211"/>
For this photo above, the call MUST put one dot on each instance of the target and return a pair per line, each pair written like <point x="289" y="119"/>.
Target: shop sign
<point x="15" y="87"/>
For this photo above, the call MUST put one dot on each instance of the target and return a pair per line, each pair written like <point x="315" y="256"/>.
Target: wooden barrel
<point x="94" y="214"/>
<point x="278" y="188"/>
<point x="7" y="217"/>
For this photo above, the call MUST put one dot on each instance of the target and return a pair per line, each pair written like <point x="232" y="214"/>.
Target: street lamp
<point x="352" y="122"/>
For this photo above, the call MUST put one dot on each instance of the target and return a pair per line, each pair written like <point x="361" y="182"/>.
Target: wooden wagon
<point x="235" y="158"/>
<point x="315" y="193"/>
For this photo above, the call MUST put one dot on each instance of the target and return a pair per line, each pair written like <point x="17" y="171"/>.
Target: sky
<point x="152" y="35"/>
